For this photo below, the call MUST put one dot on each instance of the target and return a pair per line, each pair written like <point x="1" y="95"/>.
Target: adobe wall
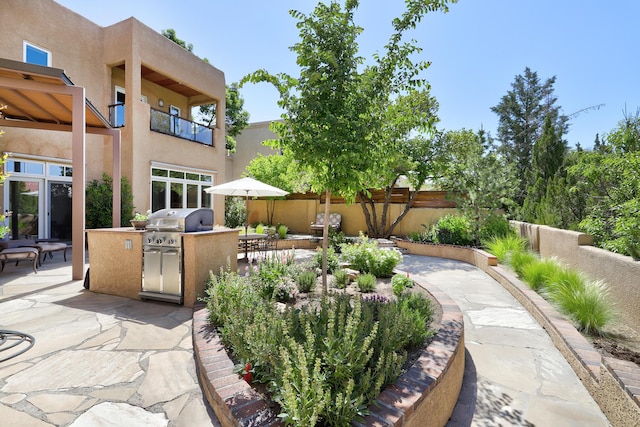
<point x="620" y="273"/>
<point x="299" y="214"/>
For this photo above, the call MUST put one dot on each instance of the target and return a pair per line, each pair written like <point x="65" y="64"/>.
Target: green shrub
<point x="454" y="230"/>
<point x="399" y="282"/>
<point x="260" y="229"/>
<point x="285" y="290"/>
<point x="520" y="259"/>
<point x="333" y="262"/>
<point x="99" y="203"/>
<point x="282" y="231"/>
<point x="341" y="279"/>
<point x="536" y="274"/>
<point x="366" y="282"/>
<point x="336" y="239"/>
<point x="323" y="364"/>
<point x="584" y="301"/>
<point x="496" y="226"/>
<point x="234" y="212"/>
<point x="423" y="236"/>
<point x="500" y="247"/>
<point x="307" y="281"/>
<point x="366" y="257"/>
<point x="267" y="274"/>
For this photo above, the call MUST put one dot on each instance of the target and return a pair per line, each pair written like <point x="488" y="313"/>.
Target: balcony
<point x="168" y="124"/>
<point x="182" y="128"/>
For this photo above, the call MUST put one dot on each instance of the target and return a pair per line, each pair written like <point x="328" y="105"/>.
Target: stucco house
<point x="139" y="88"/>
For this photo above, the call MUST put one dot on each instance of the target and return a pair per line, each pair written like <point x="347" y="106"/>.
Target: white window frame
<point x="26" y="44"/>
<point x="184" y="182"/>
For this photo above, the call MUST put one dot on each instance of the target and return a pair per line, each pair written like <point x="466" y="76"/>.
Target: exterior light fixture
<point x="160" y="102"/>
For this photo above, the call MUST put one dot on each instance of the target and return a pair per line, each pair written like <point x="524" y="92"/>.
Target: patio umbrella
<point x="246" y="187"/>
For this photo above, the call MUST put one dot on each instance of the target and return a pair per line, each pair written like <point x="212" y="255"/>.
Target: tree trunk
<point x="325" y="241"/>
<point x="271" y="208"/>
<point x="407" y="208"/>
<point x="367" y="216"/>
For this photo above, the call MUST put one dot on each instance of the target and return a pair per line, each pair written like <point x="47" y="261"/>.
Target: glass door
<point x="60" y="210"/>
<point x="25" y="203"/>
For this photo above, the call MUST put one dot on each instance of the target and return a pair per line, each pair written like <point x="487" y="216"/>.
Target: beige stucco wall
<point x="115" y="270"/>
<point x="620" y="273"/>
<point x="205" y="252"/>
<point x="299" y="214"/>
<point x="71" y="39"/>
<point x="248" y="145"/>
<point x="89" y="54"/>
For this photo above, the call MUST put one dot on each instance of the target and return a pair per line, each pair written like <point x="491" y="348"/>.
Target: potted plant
<point x="139" y="221"/>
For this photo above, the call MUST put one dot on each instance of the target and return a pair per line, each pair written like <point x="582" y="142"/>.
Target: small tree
<point x="279" y="170"/>
<point x="171" y="35"/>
<point x="477" y="178"/>
<point x="330" y="121"/>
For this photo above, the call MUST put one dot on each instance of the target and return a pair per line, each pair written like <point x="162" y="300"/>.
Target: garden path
<point x="514" y="375"/>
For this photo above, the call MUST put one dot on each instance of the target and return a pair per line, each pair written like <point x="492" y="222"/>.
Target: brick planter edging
<point x="425" y="395"/>
<point x="613" y="384"/>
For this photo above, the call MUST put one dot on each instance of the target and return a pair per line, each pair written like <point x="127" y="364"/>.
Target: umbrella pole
<point x="246" y="213"/>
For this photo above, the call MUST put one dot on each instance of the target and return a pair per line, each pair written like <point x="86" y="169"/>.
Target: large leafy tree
<point x="521" y="116"/>
<point x="477" y="177"/>
<point x="331" y="108"/>
<point x="611" y="178"/>
<point x="404" y="154"/>
<point x="236" y="118"/>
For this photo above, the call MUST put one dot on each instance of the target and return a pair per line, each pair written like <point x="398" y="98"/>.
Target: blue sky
<point x="476" y="50"/>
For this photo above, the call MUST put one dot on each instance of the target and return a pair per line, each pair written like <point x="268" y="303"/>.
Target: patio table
<point x="248" y="239"/>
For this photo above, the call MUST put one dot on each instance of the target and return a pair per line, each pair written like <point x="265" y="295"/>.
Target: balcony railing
<point x="182" y="128"/>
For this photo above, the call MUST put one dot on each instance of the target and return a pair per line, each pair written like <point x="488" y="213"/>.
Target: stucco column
<point x="78" y="137"/>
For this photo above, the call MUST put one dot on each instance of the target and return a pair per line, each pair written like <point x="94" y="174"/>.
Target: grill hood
<point x="181" y="220"/>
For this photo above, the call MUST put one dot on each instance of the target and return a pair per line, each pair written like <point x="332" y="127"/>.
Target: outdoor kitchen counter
<point x="115" y="260"/>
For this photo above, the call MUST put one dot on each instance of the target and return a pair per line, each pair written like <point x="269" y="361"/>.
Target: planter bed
<point x="425" y="395"/>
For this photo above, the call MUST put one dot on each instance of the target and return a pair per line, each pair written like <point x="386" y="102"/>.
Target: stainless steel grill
<point x="162" y="251"/>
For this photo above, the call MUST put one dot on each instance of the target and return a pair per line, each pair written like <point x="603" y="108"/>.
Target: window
<point x="36" y="55"/>
<point x="173" y="188"/>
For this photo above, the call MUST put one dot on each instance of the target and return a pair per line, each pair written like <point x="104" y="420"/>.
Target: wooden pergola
<point x="38" y="97"/>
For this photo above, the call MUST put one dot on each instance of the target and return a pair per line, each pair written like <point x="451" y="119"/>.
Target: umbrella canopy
<point x="247" y="187"/>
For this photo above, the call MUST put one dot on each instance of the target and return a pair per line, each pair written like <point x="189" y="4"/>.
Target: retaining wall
<point x="621" y="273"/>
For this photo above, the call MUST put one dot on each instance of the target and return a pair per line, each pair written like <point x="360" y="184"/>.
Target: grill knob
<point x="171" y="241"/>
<point x="159" y="241"/>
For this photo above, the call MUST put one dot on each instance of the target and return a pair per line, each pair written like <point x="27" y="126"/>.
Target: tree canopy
<point x="331" y="111"/>
<point x="521" y="116"/>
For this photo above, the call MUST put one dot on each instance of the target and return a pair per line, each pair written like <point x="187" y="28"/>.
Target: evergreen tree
<point x="548" y="156"/>
<point x="521" y="116"/>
